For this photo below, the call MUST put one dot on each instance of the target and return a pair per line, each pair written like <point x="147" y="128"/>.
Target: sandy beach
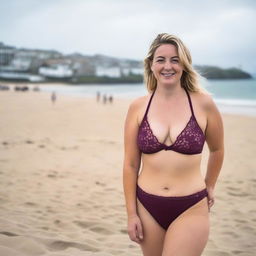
<point x="61" y="180"/>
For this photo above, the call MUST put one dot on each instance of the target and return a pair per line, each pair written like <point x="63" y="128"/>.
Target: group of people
<point x="168" y="200"/>
<point x="105" y="99"/>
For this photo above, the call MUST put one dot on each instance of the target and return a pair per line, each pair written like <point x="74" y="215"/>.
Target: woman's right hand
<point x="135" y="229"/>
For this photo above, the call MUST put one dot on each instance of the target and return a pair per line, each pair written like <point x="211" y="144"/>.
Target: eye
<point x="175" y="61"/>
<point x="159" y="60"/>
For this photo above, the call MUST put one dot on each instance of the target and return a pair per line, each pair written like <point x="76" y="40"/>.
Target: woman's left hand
<point x="210" y="197"/>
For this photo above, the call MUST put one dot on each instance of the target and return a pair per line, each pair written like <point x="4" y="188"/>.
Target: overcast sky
<point x="217" y="32"/>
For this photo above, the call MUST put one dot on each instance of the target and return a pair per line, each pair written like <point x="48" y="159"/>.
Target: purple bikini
<point x="190" y="141"/>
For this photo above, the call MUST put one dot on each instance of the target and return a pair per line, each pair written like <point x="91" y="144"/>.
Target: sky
<point x="217" y="32"/>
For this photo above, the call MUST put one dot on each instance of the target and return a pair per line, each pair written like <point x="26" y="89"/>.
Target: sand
<point x="61" y="180"/>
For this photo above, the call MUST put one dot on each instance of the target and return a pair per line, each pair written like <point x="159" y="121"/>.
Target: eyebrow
<point x="164" y="57"/>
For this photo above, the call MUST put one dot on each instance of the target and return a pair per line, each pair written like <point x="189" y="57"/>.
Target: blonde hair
<point x="189" y="78"/>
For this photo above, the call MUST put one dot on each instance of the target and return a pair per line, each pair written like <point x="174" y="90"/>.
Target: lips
<point x="168" y="74"/>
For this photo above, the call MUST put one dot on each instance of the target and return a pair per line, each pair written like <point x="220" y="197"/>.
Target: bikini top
<point x="190" y="141"/>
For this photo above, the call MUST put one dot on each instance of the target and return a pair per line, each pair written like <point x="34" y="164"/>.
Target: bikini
<point x="190" y="142"/>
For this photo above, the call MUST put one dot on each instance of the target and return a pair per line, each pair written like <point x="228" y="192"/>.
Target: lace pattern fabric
<point x="190" y="141"/>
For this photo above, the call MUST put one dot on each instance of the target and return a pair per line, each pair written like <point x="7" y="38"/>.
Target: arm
<point x="131" y="166"/>
<point x="215" y="141"/>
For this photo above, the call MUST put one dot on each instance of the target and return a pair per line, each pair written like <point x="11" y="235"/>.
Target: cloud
<point x="217" y="32"/>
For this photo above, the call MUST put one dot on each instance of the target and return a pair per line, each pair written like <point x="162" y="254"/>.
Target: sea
<point x="231" y="96"/>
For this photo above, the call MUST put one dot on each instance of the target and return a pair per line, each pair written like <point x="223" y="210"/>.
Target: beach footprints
<point x="85" y="224"/>
<point x="52" y="174"/>
<point x="105" y="229"/>
<point x="5" y="143"/>
<point x="237" y="190"/>
<point x="60" y="245"/>
<point x="96" y="226"/>
<point x="7" y="233"/>
<point x="41" y="143"/>
<point x="76" y="147"/>
<point x="100" y="183"/>
<point x="238" y="194"/>
<point x="30" y="204"/>
<point x="29" y="141"/>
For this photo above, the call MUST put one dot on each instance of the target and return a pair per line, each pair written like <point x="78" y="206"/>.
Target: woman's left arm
<point x="215" y="141"/>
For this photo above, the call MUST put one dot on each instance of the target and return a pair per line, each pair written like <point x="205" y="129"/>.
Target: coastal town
<point x="37" y="65"/>
<point x="43" y="65"/>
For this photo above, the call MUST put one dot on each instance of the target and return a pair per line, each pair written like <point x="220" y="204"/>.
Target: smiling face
<point x="166" y="65"/>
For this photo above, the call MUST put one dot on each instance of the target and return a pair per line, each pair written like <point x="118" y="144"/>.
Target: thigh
<point x="188" y="234"/>
<point x="153" y="234"/>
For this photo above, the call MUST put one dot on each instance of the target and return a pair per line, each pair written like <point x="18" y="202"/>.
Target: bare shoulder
<point x="137" y="103"/>
<point x="205" y="101"/>
<point x="138" y="107"/>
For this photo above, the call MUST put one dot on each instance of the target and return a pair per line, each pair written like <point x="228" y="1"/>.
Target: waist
<point x="167" y="160"/>
<point x="171" y="183"/>
<point x="201" y="193"/>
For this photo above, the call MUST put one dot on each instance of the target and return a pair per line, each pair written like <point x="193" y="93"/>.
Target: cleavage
<point x="163" y="133"/>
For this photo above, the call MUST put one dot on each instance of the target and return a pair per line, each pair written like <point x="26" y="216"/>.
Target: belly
<point x="168" y="173"/>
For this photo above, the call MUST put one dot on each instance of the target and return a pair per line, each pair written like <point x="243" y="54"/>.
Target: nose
<point x="167" y="65"/>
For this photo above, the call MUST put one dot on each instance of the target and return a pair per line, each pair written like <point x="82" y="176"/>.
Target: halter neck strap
<point x="149" y="103"/>
<point x="190" y="102"/>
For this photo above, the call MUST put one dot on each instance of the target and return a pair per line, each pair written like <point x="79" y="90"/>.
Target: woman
<point x="168" y="200"/>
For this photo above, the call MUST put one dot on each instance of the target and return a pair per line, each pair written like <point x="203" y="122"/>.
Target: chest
<point x="168" y="123"/>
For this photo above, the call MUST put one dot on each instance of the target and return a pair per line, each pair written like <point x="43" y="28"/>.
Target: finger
<point x="208" y="206"/>
<point x="135" y="239"/>
<point x="133" y="236"/>
<point x="211" y="202"/>
<point x="139" y="231"/>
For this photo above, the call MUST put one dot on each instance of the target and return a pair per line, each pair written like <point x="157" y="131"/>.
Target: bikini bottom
<point x="166" y="209"/>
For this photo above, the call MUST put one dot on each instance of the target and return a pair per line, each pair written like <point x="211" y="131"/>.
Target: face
<point x="166" y="65"/>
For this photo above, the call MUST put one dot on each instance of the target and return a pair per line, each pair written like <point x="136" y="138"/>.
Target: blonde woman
<point x="167" y="198"/>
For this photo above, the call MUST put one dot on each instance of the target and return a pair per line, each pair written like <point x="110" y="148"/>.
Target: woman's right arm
<point x="131" y="166"/>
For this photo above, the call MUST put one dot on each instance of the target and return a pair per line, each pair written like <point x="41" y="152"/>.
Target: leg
<point x="153" y="233"/>
<point x="188" y="234"/>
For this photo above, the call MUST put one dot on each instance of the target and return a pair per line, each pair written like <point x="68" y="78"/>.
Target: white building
<point x="56" y="71"/>
<point x="137" y="71"/>
<point x="6" y="54"/>
<point x="21" y="63"/>
<point x="108" y="71"/>
<point x="134" y="71"/>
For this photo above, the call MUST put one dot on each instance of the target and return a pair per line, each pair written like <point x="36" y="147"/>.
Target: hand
<point x="210" y="197"/>
<point x="135" y="229"/>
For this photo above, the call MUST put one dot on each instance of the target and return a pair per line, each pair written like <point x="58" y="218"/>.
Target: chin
<point x="170" y="81"/>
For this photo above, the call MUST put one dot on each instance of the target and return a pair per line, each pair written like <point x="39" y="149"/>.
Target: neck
<point x="168" y="92"/>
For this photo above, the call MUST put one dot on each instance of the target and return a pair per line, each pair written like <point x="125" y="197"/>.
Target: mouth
<point x="168" y="74"/>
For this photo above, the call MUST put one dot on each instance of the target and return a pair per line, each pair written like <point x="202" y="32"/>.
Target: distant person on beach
<point x="36" y="89"/>
<point x="98" y="96"/>
<point x="167" y="198"/>
<point x="53" y="97"/>
<point x="105" y="99"/>
<point x="110" y="99"/>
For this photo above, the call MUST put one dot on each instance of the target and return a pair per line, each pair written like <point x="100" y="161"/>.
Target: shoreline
<point x="244" y="107"/>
